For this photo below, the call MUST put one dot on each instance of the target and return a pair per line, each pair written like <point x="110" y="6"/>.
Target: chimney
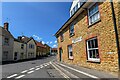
<point x="19" y="38"/>
<point x="6" y="26"/>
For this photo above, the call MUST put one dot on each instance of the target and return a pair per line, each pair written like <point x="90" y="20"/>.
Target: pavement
<point x="49" y="68"/>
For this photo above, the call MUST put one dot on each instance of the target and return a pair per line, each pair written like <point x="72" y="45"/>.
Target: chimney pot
<point x="6" y="26"/>
<point x="19" y="38"/>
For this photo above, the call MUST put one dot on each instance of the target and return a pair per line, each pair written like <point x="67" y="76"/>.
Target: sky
<point x="40" y="20"/>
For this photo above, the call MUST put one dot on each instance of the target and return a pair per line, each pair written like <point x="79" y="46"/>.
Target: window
<point x="5" y="55"/>
<point x="22" y="46"/>
<point x="6" y="41"/>
<point x="92" y="50"/>
<point x="93" y="13"/>
<point x="76" y="7"/>
<point x="61" y="37"/>
<point x="31" y="46"/>
<point x="72" y="30"/>
<point x="70" y="53"/>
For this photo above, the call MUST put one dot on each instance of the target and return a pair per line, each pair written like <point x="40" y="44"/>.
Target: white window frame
<point x="93" y="13"/>
<point x="69" y="56"/>
<point x="88" y="54"/>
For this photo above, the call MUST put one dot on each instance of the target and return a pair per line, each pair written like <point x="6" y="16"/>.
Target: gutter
<point x="116" y="32"/>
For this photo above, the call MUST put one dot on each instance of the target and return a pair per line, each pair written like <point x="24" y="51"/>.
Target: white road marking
<point x="87" y="74"/>
<point x="41" y="67"/>
<point x="37" y="66"/>
<point x="30" y="72"/>
<point x="20" y="76"/>
<point x="24" y="71"/>
<point x="12" y="76"/>
<point x="31" y="68"/>
<point x="63" y="74"/>
<point x="73" y="76"/>
<point x="45" y="65"/>
<point x="37" y="69"/>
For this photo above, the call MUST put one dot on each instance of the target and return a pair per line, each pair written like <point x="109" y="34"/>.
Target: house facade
<point x="7" y="43"/>
<point x="54" y="51"/>
<point x="88" y="37"/>
<point x="19" y="51"/>
<point x="41" y="50"/>
<point x="30" y="47"/>
<point x="47" y="50"/>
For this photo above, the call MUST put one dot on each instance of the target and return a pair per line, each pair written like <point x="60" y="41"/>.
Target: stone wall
<point x="103" y="30"/>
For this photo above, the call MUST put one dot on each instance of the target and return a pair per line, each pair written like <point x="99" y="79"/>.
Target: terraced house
<point x="30" y="47"/>
<point x="89" y="38"/>
<point x="41" y="50"/>
<point x="19" y="51"/>
<point x="7" y="41"/>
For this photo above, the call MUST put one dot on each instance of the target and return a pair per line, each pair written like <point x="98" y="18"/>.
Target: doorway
<point x="60" y="54"/>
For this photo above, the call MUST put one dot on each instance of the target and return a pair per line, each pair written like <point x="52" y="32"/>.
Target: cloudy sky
<point x="40" y="20"/>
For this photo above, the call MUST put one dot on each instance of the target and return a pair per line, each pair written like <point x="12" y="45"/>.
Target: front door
<point x="15" y="56"/>
<point x="60" y="54"/>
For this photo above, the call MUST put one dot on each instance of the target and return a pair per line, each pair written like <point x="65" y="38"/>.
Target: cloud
<point x="51" y="42"/>
<point x="55" y="41"/>
<point x="47" y="43"/>
<point x="43" y="42"/>
<point x="37" y="37"/>
<point x="54" y="46"/>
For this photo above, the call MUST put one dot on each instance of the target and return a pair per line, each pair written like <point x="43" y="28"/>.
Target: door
<point x="60" y="54"/>
<point x="15" y="55"/>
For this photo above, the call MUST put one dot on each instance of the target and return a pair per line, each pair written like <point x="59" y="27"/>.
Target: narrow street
<point x="49" y="68"/>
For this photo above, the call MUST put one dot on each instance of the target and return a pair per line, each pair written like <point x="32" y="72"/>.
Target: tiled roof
<point x="25" y="39"/>
<point x="54" y="49"/>
<point x="39" y="44"/>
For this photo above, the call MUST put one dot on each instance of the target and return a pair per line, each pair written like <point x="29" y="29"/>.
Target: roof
<point x="54" y="49"/>
<point x="17" y="40"/>
<point x="39" y="44"/>
<point x="7" y="32"/>
<point x="47" y="45"/>
<point x="73" y="17"/>
<point x="25" y="39"/>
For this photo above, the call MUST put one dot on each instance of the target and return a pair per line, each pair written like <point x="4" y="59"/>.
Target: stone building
<point x="19" y="51"/>
<point x="41" y="49"/>
<point x="53" y="51"/>
<point x="88" y="37"/>
<point x="7" y="43"/>
<point x="47" y="49"/>
<point x="30" y="47"/>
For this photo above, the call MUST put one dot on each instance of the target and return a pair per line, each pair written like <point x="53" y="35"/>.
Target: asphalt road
<point x="49" y="68"/>
<point x="31" y="69"/>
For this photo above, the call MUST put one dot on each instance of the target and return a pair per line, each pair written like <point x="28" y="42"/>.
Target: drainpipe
<point x="116" y="33"/>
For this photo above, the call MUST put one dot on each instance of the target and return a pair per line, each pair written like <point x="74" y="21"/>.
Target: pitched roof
<point x="39" y="44"/>
<point x="25" y="39"/>
<point x="17" y="40"/>
<point x="54" y="49"/>
<point x="7" y="32"/>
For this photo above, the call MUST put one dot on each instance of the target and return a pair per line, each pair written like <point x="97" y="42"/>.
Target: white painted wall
<point x="31" y="50"/>
<point x="17" y="48"/>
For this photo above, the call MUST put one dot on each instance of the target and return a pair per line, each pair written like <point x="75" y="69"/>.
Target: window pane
<point x="90" y="53"/>
<point x="71" y="54"/>
<point x="96" y="43"/>
<point x="93" y="48"/>
<point x="97" y="53"/>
